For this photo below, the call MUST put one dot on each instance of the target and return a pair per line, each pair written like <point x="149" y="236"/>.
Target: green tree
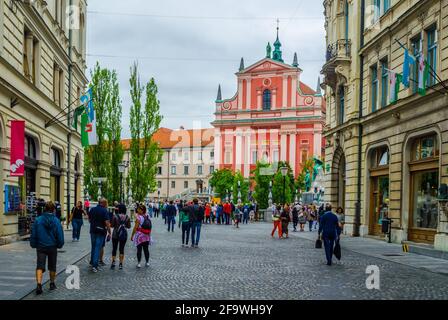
<point x="262" y="181"/>
<point x="145" y="121"/>
<point x="244" y="188"/>
<point x="281" y="186"/>
<point x="222" y="181"/>
<point x="102" y="159"/>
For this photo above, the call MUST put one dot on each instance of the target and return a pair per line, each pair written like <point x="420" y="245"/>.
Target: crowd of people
<point x="107" y="225"/>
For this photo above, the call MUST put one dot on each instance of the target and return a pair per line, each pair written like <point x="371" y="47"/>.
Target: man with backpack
<point x="120" y="223"/>
<point x="99" y="228"/>
<point x="196" y="218"/>
<point x="171" y="212"/>
<point x="246" y="210"/>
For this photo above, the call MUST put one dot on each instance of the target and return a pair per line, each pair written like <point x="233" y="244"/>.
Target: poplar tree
<point x="145" y="121"/>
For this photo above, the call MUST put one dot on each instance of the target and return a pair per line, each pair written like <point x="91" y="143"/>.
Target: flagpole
<point x="60" y="116"/>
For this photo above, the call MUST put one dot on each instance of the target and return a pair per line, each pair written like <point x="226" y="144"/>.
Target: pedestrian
<point x="184" y="221"/>
<point x="196" y="217"/>
<point x="310" y="217"/>
<point x="141" y="234"/>
<point x="99" y="229"/>
<point x="219" y="214"/>
<point x="214" y="208"/>
<point x="328" y="232"/>
<point x="120" y="223"/>
<point x="295" y="217"/>
<point x="341" y="218"/>
<point x="208" y="211"/>
<point x="302" y="218"/>
<point x="252" y="212"/>
<point x="237" y="216"/>
<point x="87" y="205"/>
<point x="47" y="236"/>
<point x="227" y="212"/>
<point x="246" y="214"/>
<point x="76" y="217"/>
<point x="170" y="213"/>
<point x="285" y="219"/>
<point x="163" y="209"/>
<point x="277" y="222"/>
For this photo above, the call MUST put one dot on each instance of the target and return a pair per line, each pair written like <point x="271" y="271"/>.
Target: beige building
<point x="387" y="159"/>
<point x="187" y="162"/>
<point x="37" y="83"/>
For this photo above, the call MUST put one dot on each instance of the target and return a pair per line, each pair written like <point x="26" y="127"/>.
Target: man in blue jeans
<point x="328" y="227"/>
<point x="99" y="228"/>
<point x="171" y="212"/>
<point x="196" y="218"/>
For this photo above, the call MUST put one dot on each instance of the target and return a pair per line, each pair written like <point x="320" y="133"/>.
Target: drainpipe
<point x="69" y="135"/>
<point x="356" y="232"/>
<point x="169" y="172"/>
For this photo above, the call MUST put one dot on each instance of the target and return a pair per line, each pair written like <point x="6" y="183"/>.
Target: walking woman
<point x="76" y="218"/>
<point x="184" y="220"/>
<point x="120" y="222"/>
<point x="285" y="220"/>
<point x="141" y="235"/>
<point x="277" y="222"/>
<point x="208" y="211"/>
<point x="295" y="217"/>
<point x="341" y="217"/>
<point x="302" y="218"/>
<point x="310" y="216"/>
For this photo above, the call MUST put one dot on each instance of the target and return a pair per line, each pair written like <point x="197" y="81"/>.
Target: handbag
<point x="337" y="251"/>
<point x="318" y="244"/>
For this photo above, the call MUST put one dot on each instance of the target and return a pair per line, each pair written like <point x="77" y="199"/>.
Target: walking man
<point x="47" y="237"/>
<point x="328" y="228"/>
<point x="171" y="215"/>
<point x="99" y="228"/>
<point x="196" y="216"/>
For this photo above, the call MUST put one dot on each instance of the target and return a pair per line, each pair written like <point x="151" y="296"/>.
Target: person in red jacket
<point x="208" y="211"/>
<point x="227" y="212"/>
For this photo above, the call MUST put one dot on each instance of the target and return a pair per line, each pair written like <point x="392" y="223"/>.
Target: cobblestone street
<point x="247" y="263"/>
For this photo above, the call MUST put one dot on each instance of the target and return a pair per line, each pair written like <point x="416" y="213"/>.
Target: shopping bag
<point x="337" y="251"/>
<point x="318" y="244"/>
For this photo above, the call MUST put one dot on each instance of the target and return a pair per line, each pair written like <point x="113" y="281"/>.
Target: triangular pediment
<point x="267" y="65"/>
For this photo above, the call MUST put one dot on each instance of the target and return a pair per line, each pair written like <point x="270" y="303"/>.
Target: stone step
<point x="426" y="250"/>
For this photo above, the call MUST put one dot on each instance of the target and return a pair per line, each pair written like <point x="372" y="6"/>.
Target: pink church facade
<point x="273" y="116"/>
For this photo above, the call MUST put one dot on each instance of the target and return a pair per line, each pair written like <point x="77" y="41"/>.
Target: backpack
<point x="122" y="233"/>
<point x="146" y="225"/>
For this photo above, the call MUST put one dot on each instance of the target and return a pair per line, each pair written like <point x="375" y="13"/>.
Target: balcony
<point x="337" y="66"/>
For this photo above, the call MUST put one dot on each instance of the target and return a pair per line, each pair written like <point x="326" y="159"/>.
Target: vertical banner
<point x="17" y="168"/>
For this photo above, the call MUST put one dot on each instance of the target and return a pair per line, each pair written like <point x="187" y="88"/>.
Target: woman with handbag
<point x="141" y="235"/>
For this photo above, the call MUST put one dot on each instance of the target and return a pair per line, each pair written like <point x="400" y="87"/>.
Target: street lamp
<point x="284" y="171"/>
<point x="231" y="195"/>
<point x="270" y="194"/>
<point x="121" y="169"/>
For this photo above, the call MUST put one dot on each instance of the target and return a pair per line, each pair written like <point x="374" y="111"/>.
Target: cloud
<point x="190" y="47"/>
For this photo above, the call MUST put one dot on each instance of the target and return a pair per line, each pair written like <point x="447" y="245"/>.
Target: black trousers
<point x="186" y="227"/>
<point x="116" y="244"/>
<point x="145" y="247"/>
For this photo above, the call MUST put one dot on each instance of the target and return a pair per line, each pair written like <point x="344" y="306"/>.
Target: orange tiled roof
<point x="169" y="139"/>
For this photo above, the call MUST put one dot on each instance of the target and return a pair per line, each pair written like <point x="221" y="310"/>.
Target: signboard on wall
<point x="12" y="199"/>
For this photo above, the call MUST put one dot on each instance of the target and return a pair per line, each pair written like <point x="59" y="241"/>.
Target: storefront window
<point x="381" y="199"/>
<point x="55" y="175"/>
<point x="425" y="148"/>
<point x="425" y="206"/>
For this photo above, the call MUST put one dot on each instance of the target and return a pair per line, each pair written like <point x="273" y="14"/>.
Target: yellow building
<point x="42" y="66"/>
<point x="387" y="159"/>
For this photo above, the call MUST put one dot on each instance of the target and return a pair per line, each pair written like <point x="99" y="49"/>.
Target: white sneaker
<point x="139" y="265"/>
<point x="147" y="264"/>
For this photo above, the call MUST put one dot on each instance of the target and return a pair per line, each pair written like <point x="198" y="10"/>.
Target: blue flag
<point x="408" y="60"/>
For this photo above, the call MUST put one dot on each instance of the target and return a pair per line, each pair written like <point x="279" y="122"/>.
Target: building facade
<point x="187" y="162"/>
<point x="272" y="117"/>
<point x="42" y="67"/>
<point x="388" y="156"/>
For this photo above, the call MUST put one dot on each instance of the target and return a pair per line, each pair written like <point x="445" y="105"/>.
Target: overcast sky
<point x="190" y="47"/>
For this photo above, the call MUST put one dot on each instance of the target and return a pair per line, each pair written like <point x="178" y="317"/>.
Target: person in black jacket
<point x="171" y="212"/>
<point x="196" y="218"/>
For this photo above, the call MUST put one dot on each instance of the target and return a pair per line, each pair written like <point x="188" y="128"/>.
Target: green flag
<point x="76" y="114"/>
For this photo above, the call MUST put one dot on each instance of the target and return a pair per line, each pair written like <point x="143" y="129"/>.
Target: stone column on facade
<point x="247" y="134"/>
<point x="240" y="94"/>
<point x="56" y="83"/>
<point x="285" y="92"/>
<point x="239" y="150"/>
<point x="249" y="94"/>
<point x="29" y="54"/>
<point x="292" y="151"/>
<point x="283" y="146"/>
<point x="294" y="93"/>
<point x="259" y="100"/>
<point x="317" y="142"/>
<point x="274" y="99"/>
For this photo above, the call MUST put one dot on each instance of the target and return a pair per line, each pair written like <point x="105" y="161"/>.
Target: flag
<point x="17" y="161"/>
<point x="88" y="129"/>
<point x="394" y="86"/>
<point x="76" y="114"/>
<point x="423" y="75"/>
<point x="408" y="61"/>
<point x="87" y="106"/>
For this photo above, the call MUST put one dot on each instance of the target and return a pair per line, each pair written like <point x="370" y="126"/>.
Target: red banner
<point x="17" y="168"/>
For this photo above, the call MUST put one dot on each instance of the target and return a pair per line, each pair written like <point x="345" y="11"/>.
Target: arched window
<point x="55" y="158"/>
<point x="30" y="148"/>
<point x="267" y="99"/>
<point x="341" y="105"/>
